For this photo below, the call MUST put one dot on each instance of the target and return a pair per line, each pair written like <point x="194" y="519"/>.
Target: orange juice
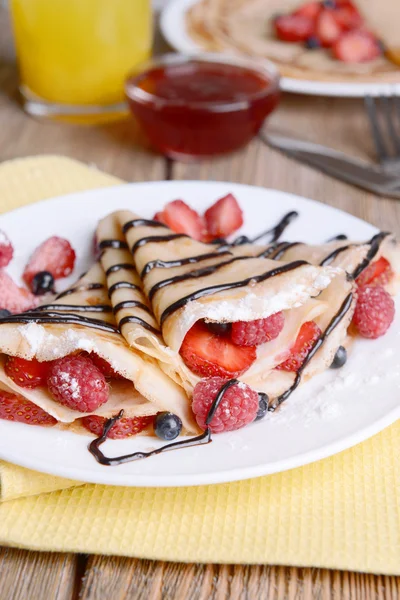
<point x="78" y="52"/>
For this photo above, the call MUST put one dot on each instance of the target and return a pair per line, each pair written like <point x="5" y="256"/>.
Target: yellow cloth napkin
<point x="342" y="512"/>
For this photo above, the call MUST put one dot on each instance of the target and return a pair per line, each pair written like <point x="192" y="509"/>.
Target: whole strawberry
<point x="76" y="382"/>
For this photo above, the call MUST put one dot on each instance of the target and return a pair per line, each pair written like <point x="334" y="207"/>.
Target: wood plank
<point x="122" y="578"/>
<point x="27" y="575"/>
<point x="115" y="148"/>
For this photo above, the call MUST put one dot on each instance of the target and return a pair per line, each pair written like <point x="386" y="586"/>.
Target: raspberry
<point x="55" y="255"/>
<point x="6" y="250"/>
<point x="374" y="311"/>
<point x="14" y="298"/>
<point x="123" y="428"/>
<point x="254" y="333"/>
<point x="14" y="407"/>
<point x="307" y="336"/>
<point x="104" y="366"/>
<point x="76" y="382"/>
<point x="238" y="407"/>
<point x="27" y="373"/>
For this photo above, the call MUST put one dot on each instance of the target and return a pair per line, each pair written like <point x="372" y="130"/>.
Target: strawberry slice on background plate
<point x="310" y="10"/>
<point x="208" y="354"/>
<point x="13" y="298"/>
<point x="294" y="28"/>
<point x="356" y="46"/>
<point x="327" y="28"/>
<point x="224" y="217"/>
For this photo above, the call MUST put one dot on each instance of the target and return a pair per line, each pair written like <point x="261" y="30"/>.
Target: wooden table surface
<point x="337" y="122"/>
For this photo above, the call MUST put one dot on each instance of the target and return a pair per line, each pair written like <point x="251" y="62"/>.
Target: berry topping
<point x="55" y="255"/>
<point x="313" y="42"/>
<point x="14" y="407"/>
<point x="377" y="273"/>
<point x="4" y="313"/>
<point x="310" y="10"/>
<point x="329" y="4"/>
<point x="356" y="46"/>
<point x="42" y="283"/>
<point x="6" y="250"/>
<point x="167" y="426"/>
<point x="307" y="336"/>
<point x="14" y="298"/>
<point x="294" y="28"/>
<point x="76" y="382"/>
<point x="208" y="354"/>
<point x="327" y="28"/>
<point x="104" y="366"/>
<point x="340" y="358"/>
<point x="219" y="328"/>
<point x="254" y="333"/>
<point x="123" y="428"/>
<point x="224" y="217"/>
<point x="348" y="16"/>
<point x="27" y="373"/>
<point x="262" y="406"/>
<point x="179" y="217"/>
<point x="374" y="311"/>
<point x="238" y="407"/>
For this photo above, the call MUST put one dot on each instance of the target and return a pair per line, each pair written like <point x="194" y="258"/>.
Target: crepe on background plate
<point x="246" y="27"/>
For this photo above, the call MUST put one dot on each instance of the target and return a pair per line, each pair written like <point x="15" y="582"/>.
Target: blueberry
<point x="219" y="328"/>
<point x="329" y="4"/>
<point x="340" y="358"/>
<point x="262" y="406"/>
<point x="313" y="42"/>
<point x="167" y="426"/>
<point x="242" y="239"/>
<point x="4" y="313"/>
<point x="42" y="283"/>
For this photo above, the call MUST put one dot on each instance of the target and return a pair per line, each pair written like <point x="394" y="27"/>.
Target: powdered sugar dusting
<point x="70" y="385"/>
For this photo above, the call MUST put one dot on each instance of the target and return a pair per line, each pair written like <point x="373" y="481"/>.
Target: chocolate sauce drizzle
<point x="169" y="264"/>
<point x="156" y="239"/>
<point x="123" y="284"/>
<point x="130" y="304"/>
<point x="332" y="255"/>
<point x="374" y="243"/>
<point x="208" y="291"/>
<point x="60" y="318"/>
<point x="80" y="288"/>
<point x="119" y="267"/>
<point x="141" y="223"/>
<point x="341" y="237"/>
<point x="344" y="308"/>
<point x="116" y="244"/>
<point x="275" y="232"/>
<point x="101" y="308"/>
<point x="138" y="321"/>
<point x="277" y="250"/>
<point x="204" y="438"/>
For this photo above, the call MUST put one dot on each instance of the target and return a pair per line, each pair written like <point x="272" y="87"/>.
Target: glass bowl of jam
<point x="192" y="107"/>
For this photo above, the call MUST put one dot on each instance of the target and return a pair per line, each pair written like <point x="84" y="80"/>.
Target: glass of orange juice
<point x="74" y="55"/>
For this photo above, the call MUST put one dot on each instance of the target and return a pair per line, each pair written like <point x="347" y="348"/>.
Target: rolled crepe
<point x="81" y="319"/>
<point x="186" y="281"/>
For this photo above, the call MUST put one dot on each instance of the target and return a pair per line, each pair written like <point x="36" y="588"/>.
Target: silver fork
<point x="386" y="134"/>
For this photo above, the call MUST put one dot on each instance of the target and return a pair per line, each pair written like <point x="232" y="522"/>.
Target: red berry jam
<point x="202" y="106"/>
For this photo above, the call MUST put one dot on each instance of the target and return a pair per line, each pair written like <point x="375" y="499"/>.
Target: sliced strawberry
<point x="356" y="46"/>
<point x="14" y="407"/>
<point x="377" y="273"/>
<point x="14" y="298"/>
<point x="308" y="334"/>
<point x="293" y="28"/>
<point x="55" y="255"/>
<point x="6" y="249"/>
<point x="104" y="366"/>
<point x="27" y="373"/>
<point x="327" y="28"/>
<point x="123" y="428"/>
<point x="310" y="10"/>
<point x="224" y="217"/>
<point x="208" y="354"/>
<point x="179" y="217"/>
<point x="348" y="16"/>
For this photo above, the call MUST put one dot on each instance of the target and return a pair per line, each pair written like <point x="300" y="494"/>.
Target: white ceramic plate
<point x="330" y="413"/>
<point x="173" y="27"/>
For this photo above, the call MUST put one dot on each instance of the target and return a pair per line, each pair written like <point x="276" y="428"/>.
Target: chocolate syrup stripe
<point x="115" y="244"/>
<point x="94" y="446"/>
<point x="138" y="321"/>
<point x="156" y="239"/>
<point x="119" y="267"/>
<point x="60" y="319"/>
<point x="161" y="264"/>
<point x="123" y="285"/>
<point x="275" y="232"/>
<point x="332" y="255"/>
<point x="101" y="308"/>
<point x="277" y="251"/>
<point x="205" y="272"/>
<point x="141" y="223"/>
<point x="375" y="244"/>
<point x="208" y="291"/>
<point x="80" y="288"/>
<point x="336" y="319"/>
<point x="130" y="304"/>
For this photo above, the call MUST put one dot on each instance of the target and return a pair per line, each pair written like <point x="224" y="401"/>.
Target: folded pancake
<point x="81" y="319"/>
<point x="187" y="281"/>
<point x="246" y="27"/>
<point x="353" y="257"/>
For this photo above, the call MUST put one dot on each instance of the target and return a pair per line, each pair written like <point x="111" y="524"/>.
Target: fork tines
<point x="384" y="118"/>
